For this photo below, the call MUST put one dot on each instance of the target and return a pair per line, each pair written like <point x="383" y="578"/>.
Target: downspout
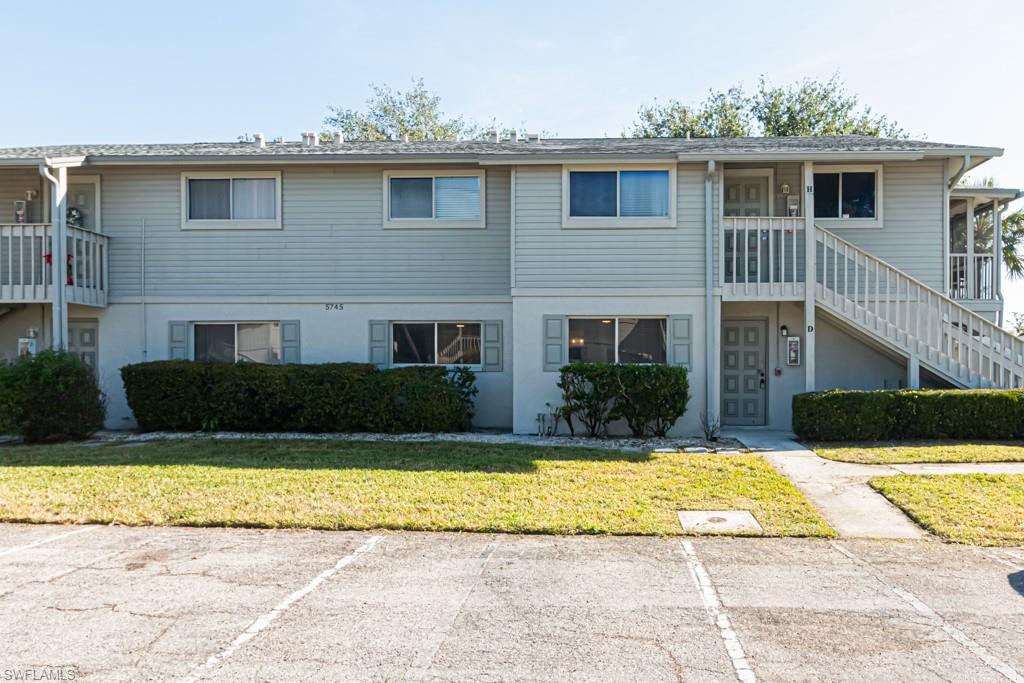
<point x="709" y="301"/>
<point x="58" y="333"/>
<point x="142" y="288"/>
<point x="960" y="174"/>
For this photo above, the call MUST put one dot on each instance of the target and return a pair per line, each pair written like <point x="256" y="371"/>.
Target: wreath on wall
<point x="76" y="218"/>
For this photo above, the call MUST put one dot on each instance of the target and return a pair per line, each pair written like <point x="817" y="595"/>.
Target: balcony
<point x="762" y="258"/>
<point x="26" y="265"/>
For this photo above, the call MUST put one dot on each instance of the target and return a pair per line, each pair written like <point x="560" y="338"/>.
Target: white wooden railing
<point x="459" y="348"/>
<point x="918" y="320"/>
<point x="762" y="257"/>
<point x="982" y="287"/>
<point x="26" y="265"/>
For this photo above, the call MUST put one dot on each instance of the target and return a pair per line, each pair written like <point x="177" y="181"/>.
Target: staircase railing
<point x="914" y="317"/>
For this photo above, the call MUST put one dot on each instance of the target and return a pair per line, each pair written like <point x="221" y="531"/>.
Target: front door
<point x="744" y="385"/>
<point x="82" y="340"/>
<point x="746" y="195"/>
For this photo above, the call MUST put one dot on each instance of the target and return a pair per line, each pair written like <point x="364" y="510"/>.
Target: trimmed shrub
<point x="841" y="415"/>
<point x="332" y="397"/>
<point x="649" y="398"/>
<point x="50" y="397"/>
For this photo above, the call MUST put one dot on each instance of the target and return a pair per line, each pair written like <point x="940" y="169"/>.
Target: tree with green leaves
<point x="1012" y="237"/>
<point x="808" y="107"/>
<point x="396" y="114"/>
<point x="1017" y="326"/>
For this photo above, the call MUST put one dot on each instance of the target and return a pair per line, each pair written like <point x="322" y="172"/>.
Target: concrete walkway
<point x="839" y="490"/>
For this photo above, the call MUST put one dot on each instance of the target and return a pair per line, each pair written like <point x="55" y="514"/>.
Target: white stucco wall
<point x="533" y="388"/>
<point x="127" y="335"/>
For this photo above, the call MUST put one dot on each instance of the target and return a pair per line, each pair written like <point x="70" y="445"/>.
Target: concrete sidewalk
<point x="840" y="491"/>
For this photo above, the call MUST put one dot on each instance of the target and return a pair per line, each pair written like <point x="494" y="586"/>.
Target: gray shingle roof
<point x="474" y="149"/>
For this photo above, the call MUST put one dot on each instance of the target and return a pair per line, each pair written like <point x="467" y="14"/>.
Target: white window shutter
<point x="380" y="334"/>
<point x="680" y="342"/>
<point x="554" y="342"/>
<point x="290" y="343"/>
<point x="177" y="348"/>
<point x="491" y="350"/>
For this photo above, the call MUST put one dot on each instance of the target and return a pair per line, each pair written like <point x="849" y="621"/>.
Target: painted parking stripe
<point x="49" y="539"/>
<point x="267" y="619"/>
<point x="993" y="662"/>
<point x="714" y="609"/>
<point x="1016" y="566"/>
<point x="429" y="647"/>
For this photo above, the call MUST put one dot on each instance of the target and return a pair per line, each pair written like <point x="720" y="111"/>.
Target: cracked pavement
<point x="131" y="604"/>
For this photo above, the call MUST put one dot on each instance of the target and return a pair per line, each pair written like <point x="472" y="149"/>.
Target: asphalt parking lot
<point x="131" y="604"/>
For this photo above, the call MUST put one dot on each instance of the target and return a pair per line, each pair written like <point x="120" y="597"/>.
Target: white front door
<point x="746" y="195"/>
<point x="83" y="340"/>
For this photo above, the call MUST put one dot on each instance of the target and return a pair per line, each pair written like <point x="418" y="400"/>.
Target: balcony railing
<point x="961" y="286"/>
<point x="762" y="257"/>
<point x="26" y="265"/>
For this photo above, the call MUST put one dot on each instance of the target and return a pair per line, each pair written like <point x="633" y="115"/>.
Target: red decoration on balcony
<point x="48" y="258"/>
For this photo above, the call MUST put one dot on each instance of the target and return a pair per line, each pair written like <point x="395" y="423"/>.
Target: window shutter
<point x="290" y="341"/>
<point x="491" y="347"/>
<point x="379" y="343"/>
<point x="680" y="332"/>
<point x="554" y="343"/>
<point x="178" y="346"/>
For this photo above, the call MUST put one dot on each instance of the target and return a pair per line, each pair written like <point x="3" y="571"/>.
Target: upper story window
<point x="435" y="343"/>
<point x="434" y="200"/>
<point x="242" y="200"/>
<point x="848" y="193"/>
<point x="604" y="197"/>
<point x="618" y="340"/>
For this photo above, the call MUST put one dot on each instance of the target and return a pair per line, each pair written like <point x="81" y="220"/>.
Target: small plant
<point x="712" y="427"/>
<point x="50" y="397"/>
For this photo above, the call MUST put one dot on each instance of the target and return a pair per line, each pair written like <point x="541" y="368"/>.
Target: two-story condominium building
<point x="767" y="266"/>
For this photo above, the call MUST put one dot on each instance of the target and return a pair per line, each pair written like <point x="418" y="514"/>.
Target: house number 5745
<point x="334" y="307"/>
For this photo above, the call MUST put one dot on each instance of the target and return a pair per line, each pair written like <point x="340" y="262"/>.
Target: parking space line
<point x="1016" y="566"/>
<point x="429" y="647"/>
<point x="993" y="662"/>
<point x="714" y="609"/>
<point x="1015" y="555"/>
<point x="267" y="619"/>
<point x="48" y="539"/>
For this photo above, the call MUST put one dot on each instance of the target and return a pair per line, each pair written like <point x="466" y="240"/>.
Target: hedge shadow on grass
<point x="305" y="455"/>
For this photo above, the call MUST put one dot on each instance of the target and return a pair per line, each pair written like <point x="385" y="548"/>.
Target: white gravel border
<point x="667" y="444"/>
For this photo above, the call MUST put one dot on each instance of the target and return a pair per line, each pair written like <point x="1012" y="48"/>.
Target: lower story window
<point x="238" y="342"/>
<point x="617" y="340"/>
<point x="435" y="343"/>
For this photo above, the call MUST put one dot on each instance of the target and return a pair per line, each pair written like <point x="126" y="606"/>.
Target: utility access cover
<point x="718" y="521"/>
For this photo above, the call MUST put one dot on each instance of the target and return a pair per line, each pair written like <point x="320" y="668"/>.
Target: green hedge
<point x="909" y="414"/>
<point x="649" y="398"/>
<point x="332" y="397"/>
<point x="50" y="397"/>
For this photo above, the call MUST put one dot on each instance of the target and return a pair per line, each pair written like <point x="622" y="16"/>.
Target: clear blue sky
<point x="185" y="71"/>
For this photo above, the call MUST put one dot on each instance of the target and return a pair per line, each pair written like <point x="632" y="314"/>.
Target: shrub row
<point x="332" y="397"/>
<point x="50" y="397"/>
<point x="909" y="414"/>
<point x="649" y="398"/>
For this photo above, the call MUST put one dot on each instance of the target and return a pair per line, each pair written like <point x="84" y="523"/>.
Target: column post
<point x="972" y="292"/>
<point x="913" y="372"/>
<point x="58" y="256"/>
<point x="810" y="275"/>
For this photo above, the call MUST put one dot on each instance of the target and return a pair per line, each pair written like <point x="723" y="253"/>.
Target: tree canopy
<point x="394" y="114"/>
<point x="807" y="107"/>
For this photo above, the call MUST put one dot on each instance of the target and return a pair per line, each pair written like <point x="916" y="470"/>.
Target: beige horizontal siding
<point x="332" y="242"/>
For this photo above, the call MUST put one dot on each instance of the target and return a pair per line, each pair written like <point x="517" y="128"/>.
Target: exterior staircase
<point x="911" y="318"/>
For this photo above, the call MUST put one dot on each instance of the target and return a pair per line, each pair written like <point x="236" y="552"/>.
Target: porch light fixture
<point x="785" y="331"/>
<point x="607" y="322"/>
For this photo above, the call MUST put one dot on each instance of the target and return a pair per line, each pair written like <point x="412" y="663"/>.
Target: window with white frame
<point x="435" y="343"/>
<point x="254" y="342"/>
<point x="618" y="197"/>
<point x="231" y="200"/>
<point x="848" y="193"/>
<point x="618" y="340"/>
<point x="434" y="200"/>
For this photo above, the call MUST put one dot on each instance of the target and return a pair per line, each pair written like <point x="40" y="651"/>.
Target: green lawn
<point x="361" y="485"/>
<point x="895" y="452"/>
<point x="984" y="509"/>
